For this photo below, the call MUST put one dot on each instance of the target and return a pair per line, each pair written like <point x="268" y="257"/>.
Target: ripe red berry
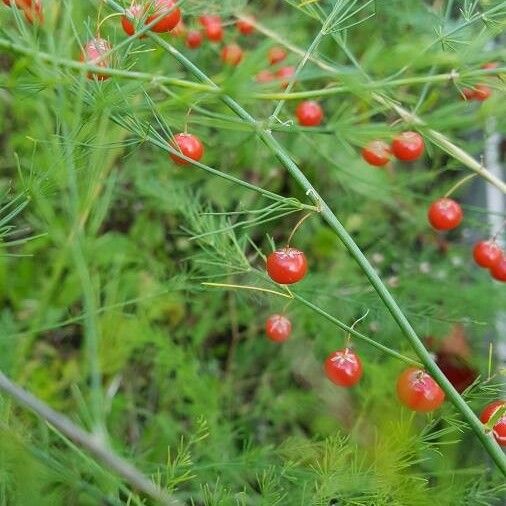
<point x="498" y="271"/>
<point x="487" y="254"/>
<point x="376" y="153"/>
<point x="193" y="39"/>
<point x="482" y="92"/>
<point x="276" y="54"/>
<point x="490" y="65"/>
<point x="155" y="8"/>
<point x="189" y="145"/>
<point x="214" y="32"/>
<point x="212" y="27"/>
<point x="232" y="54"/>
<point x="445" y="214"/>
<point x="468" y="93"/>
<point x="286" y="266"/>
<point x="309" y="113"/>
<point x="93" y="53"/>
<point x="343" y="367"/>
<point x="245" y="26"/>
<point x="167" y="22"/>
<point x="408" y="146"/>
<point x="134" y="11"/>
<point x="458" y="371"/>
<point x="285" y="74"/>
<point x="278" y="328"/>
<point x="264" y="76"/>
<point x="499" y="428"/>
<point x="418" y="391"/>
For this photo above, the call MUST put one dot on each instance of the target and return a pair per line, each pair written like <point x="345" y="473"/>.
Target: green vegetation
<point x="134" y="293"/>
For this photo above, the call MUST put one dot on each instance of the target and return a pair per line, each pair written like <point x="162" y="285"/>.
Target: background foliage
<point x="103" y="313"/>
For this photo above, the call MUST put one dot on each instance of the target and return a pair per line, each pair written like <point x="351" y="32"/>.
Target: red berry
<point x="212" y="27"/>
<point x="232" y="54"/>
<point x="458" y="371"/>
<point x="214" y="32"/>
<point x="278" y="328"/>
<point x="193" y="39"/>
<point x="445" y="214"/>
<point x="487" y="254"/>
<point x="134" y="11"/>
<point x="264" y="76"/>
<point x="408" y="146"/>
<point x="245" y="26"/>
<point x="286" y="266"/>
<point x="93" y="52"/>
<point x="482" y="92"/>
<point x="168" y="22"/>
<point x="189" y="145"/>
<point x="499" y="428"/>
<point x="376" y="153"/>
<point x="276" y="54"/>
<point x="498" y="271"/>
<point x="343" y="367"/>
<point x="285" y="74"/>
<point x="309" y="113"/>
<point x="418" y="391"/>
<point x="468" y="93"/>
<point x="490" y="65"/>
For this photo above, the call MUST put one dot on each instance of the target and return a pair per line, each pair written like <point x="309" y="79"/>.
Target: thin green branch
<point x="248" y="287"/>
<point x="283" y="156"/>
<point x="335" y="90"/>
<point x="355" y="333"/>
<point x="108" y="71"/>
<point x="312" y="48"/>
<point x="89" y="442"/>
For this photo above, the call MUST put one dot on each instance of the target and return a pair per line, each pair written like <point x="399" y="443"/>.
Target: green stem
<point x="86" y="67"/>
<point x="312" y="48"/>
<point x="488" y="442"/>
<point x="354" y="333"/>
<point x="90" y="442"/>
<point x="334" y="90"/>
<point x="322" y="312"/>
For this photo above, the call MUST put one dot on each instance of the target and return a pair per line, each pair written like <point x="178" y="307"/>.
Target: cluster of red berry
<point x="32" y="9"/>
<point x="96" y="52"/>
<point x="444" y="214"/>
<point x="416" y="389"/>
<point x="481" y="91"/>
